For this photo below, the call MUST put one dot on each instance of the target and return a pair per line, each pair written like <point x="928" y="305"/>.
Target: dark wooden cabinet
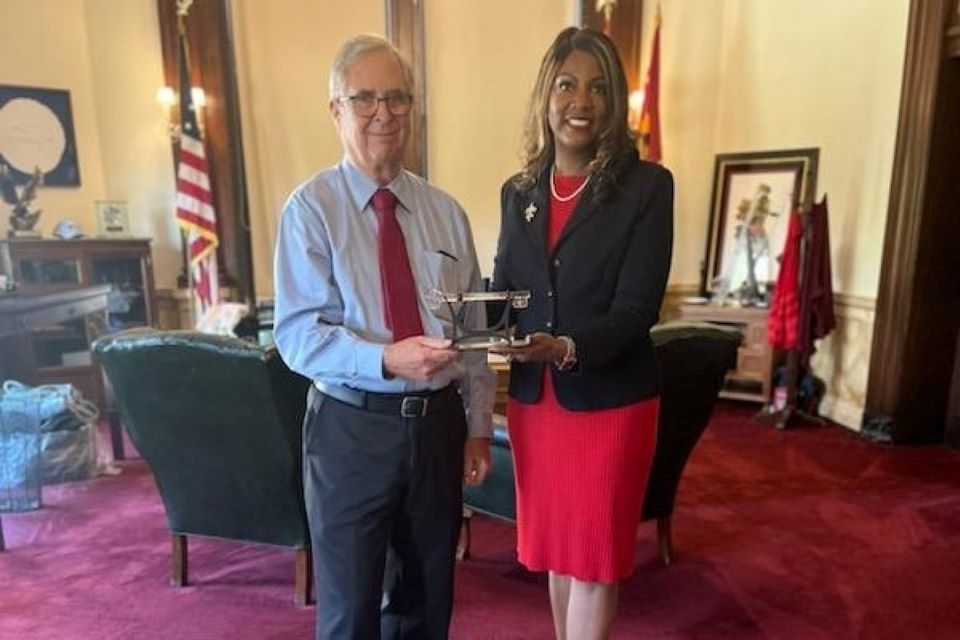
<point x="59" y="352"/>
<point x="752" y="378"/>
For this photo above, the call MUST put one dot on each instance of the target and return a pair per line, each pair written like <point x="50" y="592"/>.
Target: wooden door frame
<point x="897" y="296"/>
<point x="405" y="29"/>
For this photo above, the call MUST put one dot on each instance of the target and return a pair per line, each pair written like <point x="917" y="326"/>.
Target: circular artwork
<point x="31" y="136"/>
<point x="36" y="131"/>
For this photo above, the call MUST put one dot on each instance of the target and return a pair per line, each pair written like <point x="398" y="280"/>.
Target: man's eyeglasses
<point x="366" y="103"/>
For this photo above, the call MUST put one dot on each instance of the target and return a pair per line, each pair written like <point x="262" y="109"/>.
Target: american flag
<point x="195" y="212"/>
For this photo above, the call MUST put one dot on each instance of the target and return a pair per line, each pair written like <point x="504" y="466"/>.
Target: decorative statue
<point x="22" y="218"/>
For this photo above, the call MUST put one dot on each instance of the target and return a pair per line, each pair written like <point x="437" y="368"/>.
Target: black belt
<point x="405" y="405"/>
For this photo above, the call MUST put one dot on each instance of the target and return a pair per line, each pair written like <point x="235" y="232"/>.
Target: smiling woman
<point x="596" y="262"/>
<point x="577" y="111"/>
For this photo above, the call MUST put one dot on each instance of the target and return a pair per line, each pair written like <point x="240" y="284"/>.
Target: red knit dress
<point x="580" y="475"/>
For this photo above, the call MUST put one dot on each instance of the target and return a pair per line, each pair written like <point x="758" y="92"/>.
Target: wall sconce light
<point x="199" y="97"/>
<point x="167" y="98"/>
<point x="635" y="106"/>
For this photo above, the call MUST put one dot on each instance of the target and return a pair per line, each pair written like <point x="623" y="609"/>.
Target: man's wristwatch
<point x="569" y="359"/>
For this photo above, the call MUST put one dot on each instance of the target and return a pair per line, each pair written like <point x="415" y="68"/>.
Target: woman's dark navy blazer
<point x="602" y="284"/>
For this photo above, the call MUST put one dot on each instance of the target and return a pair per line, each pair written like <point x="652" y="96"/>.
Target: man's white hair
<point x="353" y="49"/>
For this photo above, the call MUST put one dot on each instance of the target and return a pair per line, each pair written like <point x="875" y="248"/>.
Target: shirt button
<point x="549" y="294"/>
<point x="556" y="262"/>
<point x="549" y="325"/>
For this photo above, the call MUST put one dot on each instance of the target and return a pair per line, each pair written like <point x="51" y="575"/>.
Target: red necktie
<point x="399" y="293"/>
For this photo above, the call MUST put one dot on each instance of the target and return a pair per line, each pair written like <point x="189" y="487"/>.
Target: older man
<point x="396" y="418"/>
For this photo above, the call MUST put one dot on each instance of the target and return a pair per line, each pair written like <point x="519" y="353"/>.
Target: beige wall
<point x="107" y="55"/>
<point x="689" y="84"/>
<point x="479" y="78"/>
<point x="750" y="75"/>
<point x="27" y="30"/>
<point x="284" y="49"/>
<point x="738" y="75"/>
<point x="127" y="68"/>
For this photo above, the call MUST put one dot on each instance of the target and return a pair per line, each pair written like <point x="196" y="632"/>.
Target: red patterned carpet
<point x="807" y="534"/>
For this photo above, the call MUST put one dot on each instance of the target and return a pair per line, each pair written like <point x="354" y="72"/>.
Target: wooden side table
<point x="752" y="378"/>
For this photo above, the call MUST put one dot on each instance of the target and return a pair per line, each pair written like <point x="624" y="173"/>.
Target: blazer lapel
<point x="534" y="209"/>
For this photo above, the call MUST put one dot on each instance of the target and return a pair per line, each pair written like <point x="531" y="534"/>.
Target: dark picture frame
<point x="36" y="128"/>
<point x="756" y="185"/>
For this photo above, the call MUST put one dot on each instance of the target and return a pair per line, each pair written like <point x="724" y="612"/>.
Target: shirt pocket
<point x="441" y="275"/>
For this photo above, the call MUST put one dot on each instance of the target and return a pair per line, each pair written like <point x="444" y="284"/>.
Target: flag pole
<point x="185" y="279"/>
<point x="195" y="204"/>
<point x="183" y="8"/>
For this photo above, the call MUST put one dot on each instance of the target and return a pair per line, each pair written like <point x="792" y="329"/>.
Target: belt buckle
<point x="413" y="406"/>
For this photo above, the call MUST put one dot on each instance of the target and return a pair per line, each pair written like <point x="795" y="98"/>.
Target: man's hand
<point x="476" y="461"/>
<point x="418" y="357"/>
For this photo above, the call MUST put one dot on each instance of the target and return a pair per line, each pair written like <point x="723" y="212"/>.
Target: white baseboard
<point x="842" y="412"/>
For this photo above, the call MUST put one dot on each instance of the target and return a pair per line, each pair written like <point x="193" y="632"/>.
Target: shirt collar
<point x="361" y="188"/>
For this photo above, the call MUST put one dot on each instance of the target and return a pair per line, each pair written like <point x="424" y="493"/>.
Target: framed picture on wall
<point x="113" y="220"/>
<point x="36" y="131"/>
<point x="753" y="196"/>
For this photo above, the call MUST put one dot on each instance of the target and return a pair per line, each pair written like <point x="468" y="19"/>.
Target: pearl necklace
<point x="553" y="188"/>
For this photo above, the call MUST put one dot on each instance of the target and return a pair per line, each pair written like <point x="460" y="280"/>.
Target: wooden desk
<point x="20" y="312"/>
<point x="751" y="380"/>
<point x="23" y="314"/>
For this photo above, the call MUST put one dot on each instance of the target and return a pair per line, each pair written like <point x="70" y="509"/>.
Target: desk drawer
<point x="753" y="363"/>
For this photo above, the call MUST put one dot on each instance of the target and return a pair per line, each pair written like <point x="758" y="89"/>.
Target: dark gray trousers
<point x="383" y="496"/>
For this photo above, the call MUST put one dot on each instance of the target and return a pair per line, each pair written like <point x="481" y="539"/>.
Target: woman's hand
<point x="543" y="347"/>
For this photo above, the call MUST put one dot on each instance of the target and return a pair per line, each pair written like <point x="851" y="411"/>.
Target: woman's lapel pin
<point x="530" y="211"/>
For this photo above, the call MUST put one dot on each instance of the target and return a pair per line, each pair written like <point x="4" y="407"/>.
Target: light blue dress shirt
<point x="329" y="315"/>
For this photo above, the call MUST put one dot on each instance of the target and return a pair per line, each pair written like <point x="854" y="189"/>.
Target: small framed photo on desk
<point x="113" y="219"/>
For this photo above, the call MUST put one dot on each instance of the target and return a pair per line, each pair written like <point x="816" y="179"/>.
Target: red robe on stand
<point x="782" y="324"/>
<point x="816" y="295"/>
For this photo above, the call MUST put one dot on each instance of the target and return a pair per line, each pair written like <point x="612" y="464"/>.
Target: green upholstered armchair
<point x="693" y="359"/>
<point x="218" y="421"/>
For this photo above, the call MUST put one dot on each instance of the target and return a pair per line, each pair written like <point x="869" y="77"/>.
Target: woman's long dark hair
<point x="615" y="140"/>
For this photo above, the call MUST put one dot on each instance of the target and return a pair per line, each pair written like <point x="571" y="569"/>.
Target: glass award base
<point x="489" y="342"/>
